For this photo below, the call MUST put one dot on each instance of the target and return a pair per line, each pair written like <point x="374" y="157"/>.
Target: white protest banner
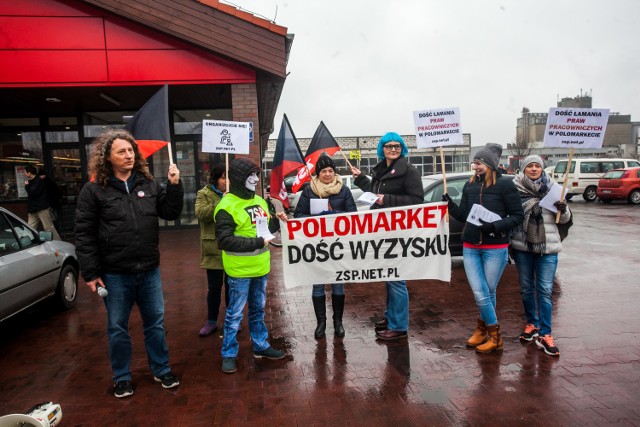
<point x="405" y="243"/>
<point x="225" y="137"/>
<point x="436" y="128"/>
<point x="575" y="127"/>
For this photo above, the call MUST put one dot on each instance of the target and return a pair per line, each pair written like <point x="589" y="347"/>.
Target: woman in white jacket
<point x="535" y="246"/>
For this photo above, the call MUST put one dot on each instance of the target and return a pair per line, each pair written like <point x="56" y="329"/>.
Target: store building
<point x="72" y="68"/>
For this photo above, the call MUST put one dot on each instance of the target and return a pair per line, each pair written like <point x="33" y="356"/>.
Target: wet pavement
<point x="429" y="379"/>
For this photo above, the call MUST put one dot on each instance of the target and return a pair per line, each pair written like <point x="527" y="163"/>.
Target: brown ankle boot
<point x="479" y="335"/>
<point x="494" y="342"/>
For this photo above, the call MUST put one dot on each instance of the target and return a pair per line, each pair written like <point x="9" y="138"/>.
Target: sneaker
<point x="168" y="380"/>
<point x="529" y="333"/>
<point x="382" y="325"/>
<point x="122" y="389"/>
<point x="270" y="353"/>
<point x="208" y="329"/>
<point x="546" y="343"/>
<point x="229" y="365"/>
<point x="388" y="335"/>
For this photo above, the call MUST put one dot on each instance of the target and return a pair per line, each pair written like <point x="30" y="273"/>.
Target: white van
<point x="584" y="174"/>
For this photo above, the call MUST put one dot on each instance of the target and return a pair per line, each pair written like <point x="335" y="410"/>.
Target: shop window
<point x="20" y="145"/>
<point x="98" y="122"/>
<point x="62" y="130"/>
<point x="189" y="122"/>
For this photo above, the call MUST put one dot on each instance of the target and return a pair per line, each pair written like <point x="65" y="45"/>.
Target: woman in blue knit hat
<point x="396" y="182"/>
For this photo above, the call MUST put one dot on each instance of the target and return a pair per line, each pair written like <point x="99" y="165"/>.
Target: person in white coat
<point x="535" y="246"/>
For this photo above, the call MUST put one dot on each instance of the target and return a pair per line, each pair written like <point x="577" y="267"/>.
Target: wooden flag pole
<point x="170" y="156"/>
<point x="226" y="170"/>
<point x="170" y="153"/>
<point x="345" y="159"/>
<point x="444" y="175"/>
<point x="566" y="180"/>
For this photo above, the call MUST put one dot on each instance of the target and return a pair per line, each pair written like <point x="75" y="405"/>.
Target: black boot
<point x="320" y="307"/>
<point x="337" y="301"/>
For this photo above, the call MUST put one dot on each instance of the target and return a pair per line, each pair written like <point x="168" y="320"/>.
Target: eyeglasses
<point x="390" y="147"/>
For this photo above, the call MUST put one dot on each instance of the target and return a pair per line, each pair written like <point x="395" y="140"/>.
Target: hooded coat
<point x="226" y="224"/>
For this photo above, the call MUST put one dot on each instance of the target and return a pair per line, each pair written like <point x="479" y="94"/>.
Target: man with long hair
<point x="117" y="245"/>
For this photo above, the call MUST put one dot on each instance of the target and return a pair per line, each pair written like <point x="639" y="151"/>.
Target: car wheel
<point x="568" y="196"/>
<point x="67" y="290"/>
<point x="634" y="197"/>
<point x="589" y="194"/>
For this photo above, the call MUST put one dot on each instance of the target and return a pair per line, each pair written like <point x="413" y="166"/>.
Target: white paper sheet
<point x="367" y="198"/>
<point x="553" y="195"/>
<point x="479" y="212"/>
<point x="318" y="205"/>
<point x="262" y="228"/>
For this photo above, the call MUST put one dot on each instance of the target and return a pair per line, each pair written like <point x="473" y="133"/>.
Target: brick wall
<point x="244" y="100"/>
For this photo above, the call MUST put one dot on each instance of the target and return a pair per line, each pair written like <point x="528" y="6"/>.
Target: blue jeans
<point x="336" y="289"/>
<point x="397" y="312"/>
<point x="254" y="290"/>
<point x="484" y="268"/>
<point x="145" y="290"/>
<point x="536" y="273"/>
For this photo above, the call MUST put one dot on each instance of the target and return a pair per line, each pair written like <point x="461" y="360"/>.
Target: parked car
<point x="620" y="184"/>
<point x="33" y="267"/>
<point x="434" y="189"/>
<point x="585" y="173"/>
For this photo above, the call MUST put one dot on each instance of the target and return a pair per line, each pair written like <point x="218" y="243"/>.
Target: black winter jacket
<point x="117" y="231"/>
<point x="400" y="183"/>
<point x="341" y="202"/>
<point x="502" y="199"/>
<point x="38" y="198"/>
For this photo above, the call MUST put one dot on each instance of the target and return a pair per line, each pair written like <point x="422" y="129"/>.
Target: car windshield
<point x="613" y="174"/>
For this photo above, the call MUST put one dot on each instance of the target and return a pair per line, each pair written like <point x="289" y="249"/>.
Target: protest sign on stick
<point x="575" y="128"/>
<point x="437" y="128"/>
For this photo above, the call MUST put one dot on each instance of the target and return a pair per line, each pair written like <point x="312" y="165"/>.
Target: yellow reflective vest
<point x="244" y="212"/>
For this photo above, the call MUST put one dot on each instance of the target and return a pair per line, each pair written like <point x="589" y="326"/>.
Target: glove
<point x="561" y="206"/>
<point x="487" y="227"/>
<point x="446" y="198"/>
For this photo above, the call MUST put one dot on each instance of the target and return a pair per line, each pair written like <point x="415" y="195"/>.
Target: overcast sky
<point x="363" y="67"/>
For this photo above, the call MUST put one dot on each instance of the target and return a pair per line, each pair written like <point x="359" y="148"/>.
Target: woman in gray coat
<point x="535" y="246"/>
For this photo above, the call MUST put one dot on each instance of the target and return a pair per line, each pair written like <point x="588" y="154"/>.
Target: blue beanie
<point x="389" y="137"/>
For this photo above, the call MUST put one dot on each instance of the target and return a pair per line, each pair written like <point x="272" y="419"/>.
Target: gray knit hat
<point x="489" y="155"/>
<point x="533" y="158"/>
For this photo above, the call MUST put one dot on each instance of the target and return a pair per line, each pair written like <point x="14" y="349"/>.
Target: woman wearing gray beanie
<point x="485" y="247"/>
<point x="536" y="244"/>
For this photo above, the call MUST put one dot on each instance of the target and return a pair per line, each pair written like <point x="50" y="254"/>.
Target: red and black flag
<point x="322" y="142"/>
<point x="150" y="125"/>
<point x="286" y="159"/>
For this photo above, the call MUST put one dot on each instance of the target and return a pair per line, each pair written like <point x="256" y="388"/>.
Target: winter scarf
<point x="325" y="190"/>
<point x="531" y="192"/>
